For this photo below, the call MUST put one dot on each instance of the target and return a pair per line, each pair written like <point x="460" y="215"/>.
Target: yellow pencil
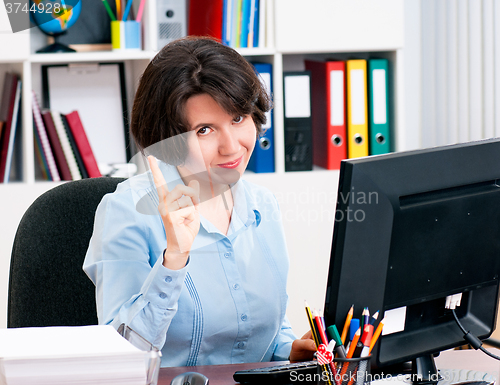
<point x="346" y="325"/>
<point x="311" y="325"/>
<point x="376" y="334"/>
<point x="317" y="341"/>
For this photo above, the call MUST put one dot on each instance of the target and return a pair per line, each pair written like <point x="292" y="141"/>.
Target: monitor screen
<point x="412" y="228"/>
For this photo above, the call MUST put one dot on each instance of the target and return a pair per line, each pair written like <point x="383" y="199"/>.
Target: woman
<point x="204" y="281"/>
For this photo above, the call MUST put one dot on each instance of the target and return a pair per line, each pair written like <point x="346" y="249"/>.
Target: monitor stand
<point x="424" y="371"/>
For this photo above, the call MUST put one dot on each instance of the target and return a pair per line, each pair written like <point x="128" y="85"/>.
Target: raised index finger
<point x="160" y="183"/>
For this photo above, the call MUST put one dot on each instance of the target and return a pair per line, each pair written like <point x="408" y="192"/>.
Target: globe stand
<point x="55" y="47"/>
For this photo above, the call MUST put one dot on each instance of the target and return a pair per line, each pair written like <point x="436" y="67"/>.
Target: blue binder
<point x="262" y="159"/>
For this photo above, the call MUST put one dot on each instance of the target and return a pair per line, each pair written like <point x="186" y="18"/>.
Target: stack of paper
<point x="69" y="355"/>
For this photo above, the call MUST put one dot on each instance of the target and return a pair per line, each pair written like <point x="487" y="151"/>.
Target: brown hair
<point x="188" y="67"/>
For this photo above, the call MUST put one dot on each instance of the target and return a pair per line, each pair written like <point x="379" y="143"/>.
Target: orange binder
<point x="357" y="109"/>
<point x="328" y="112"/>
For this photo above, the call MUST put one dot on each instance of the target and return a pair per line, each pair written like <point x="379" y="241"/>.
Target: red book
<point x="328" y="112"/>
<point x="57" y="149"/>
<point x="83" y="144"/>
<point x="205" y="18"/>
<point x="11" y="81"/>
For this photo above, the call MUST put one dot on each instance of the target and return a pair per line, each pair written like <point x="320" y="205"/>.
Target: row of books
<point x="62" y="149"/>
<point x="237" y="23"/>
<point x="336" y="110"/>
<point x="10" y="124"/>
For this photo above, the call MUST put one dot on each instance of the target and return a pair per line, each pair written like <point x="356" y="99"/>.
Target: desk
<point x="451" y="359"/>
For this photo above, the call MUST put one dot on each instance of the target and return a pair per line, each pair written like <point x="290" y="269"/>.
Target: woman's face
<point x="218" y="142"/>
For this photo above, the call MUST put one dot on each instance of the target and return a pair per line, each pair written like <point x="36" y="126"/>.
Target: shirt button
<point x="244" y="317"/>
<point x="236" y="286"/>
<point x="241" y="345"/>
<point x="168" y="279"/>
<point x="227" y="255"/>
<point x="163" y="295"/>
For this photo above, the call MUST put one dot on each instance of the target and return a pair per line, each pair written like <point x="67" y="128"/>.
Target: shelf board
<point x="97" y="56"/>
<point x="256" y="51"/>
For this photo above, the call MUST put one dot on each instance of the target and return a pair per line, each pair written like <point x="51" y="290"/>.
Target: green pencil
<point x="108" y="9"/>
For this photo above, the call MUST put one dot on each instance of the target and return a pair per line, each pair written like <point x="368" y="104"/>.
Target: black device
<point x="297" y="120"/>
<point x="278" y="374"/>
<point x="412" y="228"/>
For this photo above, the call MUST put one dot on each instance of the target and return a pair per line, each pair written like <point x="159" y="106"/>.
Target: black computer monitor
<point x="412" y="228"/>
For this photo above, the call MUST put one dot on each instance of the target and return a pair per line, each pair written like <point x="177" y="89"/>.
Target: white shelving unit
<point x="316" y="29"/>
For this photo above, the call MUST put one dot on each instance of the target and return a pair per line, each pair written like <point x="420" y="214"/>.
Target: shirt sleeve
<point x="125" y="264"/>
<point x="284" y="340"/>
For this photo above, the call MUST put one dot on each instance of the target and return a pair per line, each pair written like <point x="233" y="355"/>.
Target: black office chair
<point x="47" y="286"/>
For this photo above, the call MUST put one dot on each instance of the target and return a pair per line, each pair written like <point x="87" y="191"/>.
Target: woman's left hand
<point x="303" y="349"/>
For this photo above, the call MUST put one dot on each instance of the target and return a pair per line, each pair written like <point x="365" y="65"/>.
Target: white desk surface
<point x="470" y="359"/>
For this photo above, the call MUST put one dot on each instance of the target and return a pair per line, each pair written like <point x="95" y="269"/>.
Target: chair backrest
<point x="47" y="286"/>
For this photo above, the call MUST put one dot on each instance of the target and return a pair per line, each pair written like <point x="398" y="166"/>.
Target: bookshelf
<point x="317" y="29"/>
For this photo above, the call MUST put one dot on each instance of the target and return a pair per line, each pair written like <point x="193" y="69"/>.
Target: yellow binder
<point x="357" y="109"/>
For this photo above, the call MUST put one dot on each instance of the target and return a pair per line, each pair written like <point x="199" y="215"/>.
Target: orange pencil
<point x="118" y="10"/>
<point x="354" y="342"/>
<point x="346" y="325"/>
<point x="376" y="334"/>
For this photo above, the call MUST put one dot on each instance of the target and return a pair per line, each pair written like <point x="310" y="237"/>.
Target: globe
<point x="54" y="17"/>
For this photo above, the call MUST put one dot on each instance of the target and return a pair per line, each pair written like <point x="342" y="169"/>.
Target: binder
<point x="82" y="142"/>
<point x="10" y="136"/>
<point x="205" y="18"/>
<point x="297" y="120"/>
<point x="10" y="104"/>
<point x="245" y="23"/>
<point x="378" y="94"/>
<point x="357" y="109"/>
<point x="262" y="159"/>
<point x="62" y="165"/>
<point x="40" y="156"/>
<point x="66" y="146"/>
<point x="236" y="23"/>
<point x="74" y="147"/>
<point x="226" y="22"/>
<point x="328" y="112"/>
<point x="44" y="140"/>
<point x="253" y="35"/>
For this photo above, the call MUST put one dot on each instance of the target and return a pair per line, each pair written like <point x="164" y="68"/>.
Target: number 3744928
<point x="35" y="8"/>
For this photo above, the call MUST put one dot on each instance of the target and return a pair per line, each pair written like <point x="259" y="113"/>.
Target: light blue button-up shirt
<point x="227" y="305"/>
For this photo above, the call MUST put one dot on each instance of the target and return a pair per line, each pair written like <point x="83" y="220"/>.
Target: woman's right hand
<point x="179" y="212"/>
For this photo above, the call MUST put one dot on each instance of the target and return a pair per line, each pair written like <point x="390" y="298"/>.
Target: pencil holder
<point x="345" y="371"/>
<point x="126" y="35"/>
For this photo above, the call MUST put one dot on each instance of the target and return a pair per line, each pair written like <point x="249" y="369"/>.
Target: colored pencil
<point x="354" y="342"/>
<point x="139" y="12"/>
<point x="108" y="9"/>
<point x="374" y="318"/>
<point x="347" y="323"/>
<point x="118" y="9"/>
<point x="376" y="335"/>
<point x="127" y="10"/>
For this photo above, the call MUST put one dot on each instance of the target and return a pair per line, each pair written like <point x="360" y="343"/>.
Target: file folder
<point x="245" y="23"/>
<point x="297" y="120"/>
<point x="205" y="18"/>
<point x="328" y="112"/>
<point x="262" y="159"/>
<point x="357" y="109"/>
<point x="378" y="94"/>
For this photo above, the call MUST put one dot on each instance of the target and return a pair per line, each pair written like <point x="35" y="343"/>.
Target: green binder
<point x="379" y="109"/>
